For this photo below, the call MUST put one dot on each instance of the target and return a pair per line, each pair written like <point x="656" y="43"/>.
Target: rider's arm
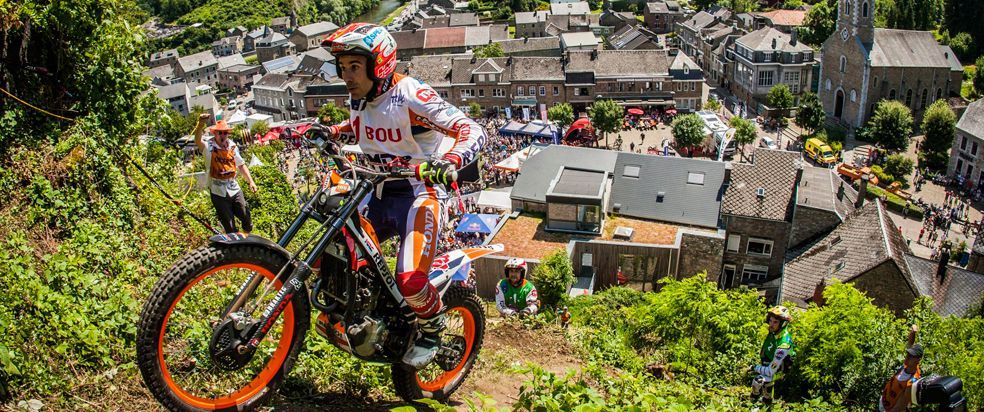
<point x="199" y="130"/>
<point x="430" y="110"/>
<point x="500" y="301"/>
<point x="768" y="371"/>
<point x="531" y="300"/>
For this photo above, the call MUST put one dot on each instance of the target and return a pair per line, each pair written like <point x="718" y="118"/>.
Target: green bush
<point x="553" y="277"/>
<point x="893" y="202"/>
<point x="274" y="206"/>
<point x="883" y="178"/>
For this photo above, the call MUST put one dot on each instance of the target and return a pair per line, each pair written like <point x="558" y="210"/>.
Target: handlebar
<point x="331" y="148"/>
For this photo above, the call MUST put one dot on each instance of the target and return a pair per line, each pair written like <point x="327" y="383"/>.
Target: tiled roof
<point x="530" y="44"/>
<point x="226" y="41"/>
<point x="435" y="22"/>
<point x="632" y="37"/>
<point x="276" y="80"/>
<point x="866" y="239"/>
<point x="682" y="202"/>
<point x="463" y="19"/>
<point x="580" y="7"/>
<point x="700" y="20"/>
<point x="960" y="290"/>
<point x="231" y="60"/>
<point x="280" y="21"/>
<point x="319" y="28"/>
<point x="578" y="39"/>
<point x="444" y="37"/>
<point x="537" y="68"/>
<point x="772" y="170"/>
<point x="972" y="121"/>
<point x="197" y="61"/>
<point x="172" y="90"/>
<point x="530" y="17"/>
<point x="560" y="22"/>
<point x="410" y="39"/>
<point x="624" y="63"/>
<point x="164" y="54"/>
<point x="657" y="8"/>
<point x="785" y="17"/>
<point x="477" y="36"/>
<point x="818" y="189"/>
<point x="160" y="72"/>
<point x="462" y="69"/>
<point x="433" y="70"/>
<point x="239" y="68"/>
<point x="907" y="48"/>
<point x="763" y="40"/>
<point x="498" y="32"/>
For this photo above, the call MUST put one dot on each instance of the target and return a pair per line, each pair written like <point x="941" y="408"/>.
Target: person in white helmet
<point x="399" y="121"/>
<point x="515" y="294"/>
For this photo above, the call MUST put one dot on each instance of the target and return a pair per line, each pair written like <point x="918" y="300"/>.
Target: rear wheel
<point x="176" y="351"/>
<point x="463" y="335"/>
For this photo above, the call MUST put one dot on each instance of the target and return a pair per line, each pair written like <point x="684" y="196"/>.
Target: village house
<point x="283" y="95"/>
<point x="163" y="58"/>
<point x="634" y="38"/>
<point x="178" y="95"/>
<point x="198" y="68"/>
<point x="690" y="31"/>
<point x="967" y="151"/>
<point x="785" y="21"/>
<point x="531" y="23"/>
<point x="227" y="46"/>
<point x="531" y="47"/>
<point x="661" y="17"/>
<point x="283" y="25"/>
<point x="273" y="45"/>
<point x="238" y="77"/>
<point x="767" y="57"/>
<point x="310" y="36"/>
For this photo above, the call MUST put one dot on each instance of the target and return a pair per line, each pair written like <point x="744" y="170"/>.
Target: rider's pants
<point x="415" y="213"/>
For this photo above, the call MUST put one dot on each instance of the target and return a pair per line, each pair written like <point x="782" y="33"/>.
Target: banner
<point x="526" y="114"/>
<point x="543" y="112"/>
<point x="508" y="113"/>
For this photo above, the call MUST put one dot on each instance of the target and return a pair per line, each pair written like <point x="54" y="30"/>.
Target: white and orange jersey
<point x="410" y="120"/>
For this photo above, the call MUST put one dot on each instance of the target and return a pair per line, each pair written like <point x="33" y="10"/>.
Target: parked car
<point x="768" y="143"/>
<point x="232" y="104"/>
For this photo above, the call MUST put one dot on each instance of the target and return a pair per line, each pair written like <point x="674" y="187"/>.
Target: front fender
<point x="239" y="238"/>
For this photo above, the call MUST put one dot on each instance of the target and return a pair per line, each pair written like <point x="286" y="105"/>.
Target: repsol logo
<point x="371" y="37"/>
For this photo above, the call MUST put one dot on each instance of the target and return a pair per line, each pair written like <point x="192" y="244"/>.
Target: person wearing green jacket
<point x="515" y="294"/>
<point x="776" y="355"/>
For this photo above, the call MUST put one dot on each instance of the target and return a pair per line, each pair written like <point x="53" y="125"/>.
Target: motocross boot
<point x="428" y="341"/>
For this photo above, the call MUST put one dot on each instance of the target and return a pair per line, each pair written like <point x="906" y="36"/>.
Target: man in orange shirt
<point x="222" y="160"/>
<point x="898" y="394"/>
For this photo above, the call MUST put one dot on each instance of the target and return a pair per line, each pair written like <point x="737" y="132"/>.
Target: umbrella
<point x="477" y="223"/>
<point x="637" y="112"/>
<point x="671" y="112"/>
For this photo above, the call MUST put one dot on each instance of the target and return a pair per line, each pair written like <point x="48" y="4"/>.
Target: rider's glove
<point x="437" y="172"/>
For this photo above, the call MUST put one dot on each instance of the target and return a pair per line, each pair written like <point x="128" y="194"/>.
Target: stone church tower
<point x="862" y="65"/>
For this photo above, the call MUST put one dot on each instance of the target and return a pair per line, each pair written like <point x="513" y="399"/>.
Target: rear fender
<point x="454" y="265"/>
<point x="239" y="238"/>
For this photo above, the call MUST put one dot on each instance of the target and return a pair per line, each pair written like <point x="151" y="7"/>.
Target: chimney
<point x="862" y="191"/>
<point x="509" y="61"/>
<point x="473" y="59"/>
<point x="526" y="39"/>
<point x="840" y="191"/>
<point x="792" y="36"/>
<point x="594" y="54"/>
<point x="944" y="258"/>
<point x="774" y="44"/>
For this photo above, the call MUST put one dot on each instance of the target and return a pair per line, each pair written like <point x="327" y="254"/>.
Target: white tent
<point x="238" y="117"/>
<point x="495" y="198"/>
<point x="515" y="161"/>
<point x="257" y="117"/>
<point x="445" y="147"/>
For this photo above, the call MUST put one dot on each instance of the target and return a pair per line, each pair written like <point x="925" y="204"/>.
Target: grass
<point x="394" y="14"/>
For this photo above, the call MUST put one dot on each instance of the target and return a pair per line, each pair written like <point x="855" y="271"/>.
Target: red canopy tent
<point x="579" y="133"/>
<point x="637" y="112"/>
<point x="274" y="133"/>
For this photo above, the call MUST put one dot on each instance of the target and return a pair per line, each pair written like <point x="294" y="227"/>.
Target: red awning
<point x="637" y="112"/>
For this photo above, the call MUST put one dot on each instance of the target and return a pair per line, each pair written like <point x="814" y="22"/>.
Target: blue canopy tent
<point x="477" y="223"/>
<point x="535" y="128"/>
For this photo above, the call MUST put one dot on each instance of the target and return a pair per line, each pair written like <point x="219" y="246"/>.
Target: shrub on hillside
<point x="553" y="277"/>
<point x="274" y="206"/>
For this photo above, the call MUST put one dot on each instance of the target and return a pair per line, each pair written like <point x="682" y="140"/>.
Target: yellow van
<point x="817" y="150"/>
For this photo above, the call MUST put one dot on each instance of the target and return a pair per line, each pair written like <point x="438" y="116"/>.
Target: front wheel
<point x="175" y="336"/>
<point x="465" y="331"/>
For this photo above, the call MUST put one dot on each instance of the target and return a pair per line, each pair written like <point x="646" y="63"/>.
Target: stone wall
<point x="701" y="252"/>
<point x="776" y="231"/>
<point x="809" y="222"/>
<point x="886" y="286"/>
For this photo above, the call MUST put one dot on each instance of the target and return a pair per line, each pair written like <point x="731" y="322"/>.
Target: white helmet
<point x="516" y="263"/>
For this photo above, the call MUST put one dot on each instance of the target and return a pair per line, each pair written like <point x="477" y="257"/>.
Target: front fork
<point x="300" y="271"/>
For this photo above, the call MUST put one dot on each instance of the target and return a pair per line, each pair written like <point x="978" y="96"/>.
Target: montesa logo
<point x="426" y="95"/>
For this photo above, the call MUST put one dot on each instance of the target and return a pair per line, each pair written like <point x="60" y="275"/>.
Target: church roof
<point x="908" y="48"/>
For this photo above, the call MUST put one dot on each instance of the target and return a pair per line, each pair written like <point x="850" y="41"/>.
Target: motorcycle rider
<point x="776" y="355"/>
<point x="396" y="119"/>
<point x="514" y="294"/>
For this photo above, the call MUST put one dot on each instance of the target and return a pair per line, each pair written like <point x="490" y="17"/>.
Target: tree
<point x="488" y="50"/>
<point x="745" y="133"/>
<point x="606" y="116"/>
<point x="780" y="97"/>
<point x="938" y="125"/>
<point x="688" y="131"/>
<point x="819" y="23"/>
<point x="474" y="110"/>
<point x="562" y="114"/>
<point x="810" y="115"/>
<point x="979" y="75"/>
<point x="792" y="4"/>
<point x="962" y="44"/>
<point x="891" y="125"/>
<point x="898" y="166"/>
<point x="259" y="128"/>
<point x="329" y="113"/>
<point x="553" y="276"/>
<point x="712" y="104"/>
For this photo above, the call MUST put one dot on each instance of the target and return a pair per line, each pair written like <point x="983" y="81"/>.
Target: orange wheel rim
<point x="442" y="380"/>
<point x="261" y="380"/>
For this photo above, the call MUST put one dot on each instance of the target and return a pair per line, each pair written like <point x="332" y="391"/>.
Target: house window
<point x="733" y="242"/>
<point x="754" y="273"/>
<point x="497" y="92"/>
<point x="963" y="142"/>
<point x="908" y="98"/>
<point x="481" y="78"/>
<point x="695" y="178"/>
<point x="466" y="93"/>
<point x="519" y="90"/>
<point x="864" y="9"/>
<point x="891" y="95"/>
<point x="481" y="92"/>
<point x="577" y="92"/>
<point x="973" y="148"/>
<point x="922" y="103"/>
<point x="693" y="86"/>
<point x="543" y="91"/>
<point x="630" y="171"/>
<point x="939" y="93"/>
<point x="843" y="64"/>
<point x="532" y="90"/>
<point x="760" y="247"/>
<point x="556" y="90"/>
<point x="765" y="78"/>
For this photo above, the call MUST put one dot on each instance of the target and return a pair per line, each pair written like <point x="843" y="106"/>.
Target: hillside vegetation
<point x="85" y="236"/>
